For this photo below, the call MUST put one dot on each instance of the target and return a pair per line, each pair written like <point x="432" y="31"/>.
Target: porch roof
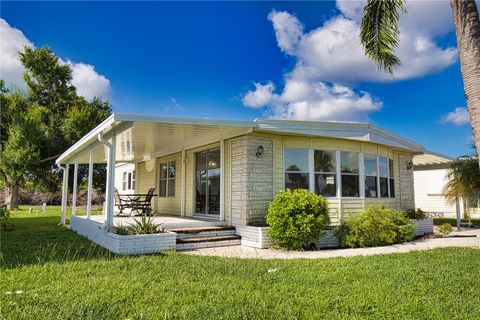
<point x="430" y="160"/>
<point x="144" y="137"/>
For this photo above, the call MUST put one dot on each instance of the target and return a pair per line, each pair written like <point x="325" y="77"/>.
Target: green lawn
<point x="63" y="276"/>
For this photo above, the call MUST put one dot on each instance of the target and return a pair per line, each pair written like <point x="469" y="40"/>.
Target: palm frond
<point x="379" y="32"/>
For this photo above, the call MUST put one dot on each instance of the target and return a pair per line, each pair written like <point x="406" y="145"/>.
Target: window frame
<point x="168" y="179"/>
<point x="338" y="173"/>
<point x="128" y="180"/>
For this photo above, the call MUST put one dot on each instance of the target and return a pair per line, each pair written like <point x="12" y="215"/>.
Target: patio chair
<point x="144" y="205"/>
<point x="120" y="203"/>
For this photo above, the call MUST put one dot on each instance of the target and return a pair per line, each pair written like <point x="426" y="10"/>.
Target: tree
<point x="379" y="36"/>
<point x="19" y="141"/>
<point x="463" y="181"/>
<point x="62" y="115"/>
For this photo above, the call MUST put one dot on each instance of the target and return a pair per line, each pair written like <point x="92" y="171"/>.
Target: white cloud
<point x="459" y="116"/>
<point x="330" y="58"/>
<point x="88" y="82"/>
<point x="12" y="41"/>
<point x="86" y="79"/>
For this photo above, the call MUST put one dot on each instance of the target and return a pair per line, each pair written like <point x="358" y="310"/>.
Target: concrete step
<point x="206" y="234"/>
<point x="207" y="242"/>
<point x="196" y="230"/>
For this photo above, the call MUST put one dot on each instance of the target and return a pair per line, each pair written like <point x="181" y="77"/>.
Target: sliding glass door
<point x="207" y="182"/>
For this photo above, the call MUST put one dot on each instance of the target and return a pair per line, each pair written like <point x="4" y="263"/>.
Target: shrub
<point x="375" y="226"/>
<point x="296" y="219"/>
<point x="416" y="214"/>
<point x="445" y="229"/>
<point x="4" y="216"/>
<point x="146" y="225"/>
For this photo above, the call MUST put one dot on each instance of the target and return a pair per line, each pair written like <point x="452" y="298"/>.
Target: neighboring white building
<point x="430" y="177"/>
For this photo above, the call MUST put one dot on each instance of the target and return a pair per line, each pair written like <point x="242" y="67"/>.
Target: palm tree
<point x="379" y="37"/>
<point x="463" y="182"/>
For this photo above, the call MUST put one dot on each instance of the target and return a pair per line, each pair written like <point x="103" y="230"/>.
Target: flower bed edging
<point x="123" y="244"/>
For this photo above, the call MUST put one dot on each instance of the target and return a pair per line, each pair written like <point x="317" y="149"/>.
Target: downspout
<point x="110" y="180"/>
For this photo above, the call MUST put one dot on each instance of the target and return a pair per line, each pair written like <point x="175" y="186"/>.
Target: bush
<point x="445" y="229"/>
<point x="416" y="214"/>
<point x="296" y="219"/>
<point x="375" y="226"/>
<point x="146" y="225"/>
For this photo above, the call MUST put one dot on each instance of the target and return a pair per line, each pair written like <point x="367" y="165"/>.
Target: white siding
<point x="428" y="191"/>
<point x="120" y="168"/>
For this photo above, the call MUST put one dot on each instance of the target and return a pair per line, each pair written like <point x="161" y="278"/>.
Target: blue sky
<point x="246" y="60"/>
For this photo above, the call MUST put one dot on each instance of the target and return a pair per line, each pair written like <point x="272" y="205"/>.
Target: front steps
<point x="205" y="237"/>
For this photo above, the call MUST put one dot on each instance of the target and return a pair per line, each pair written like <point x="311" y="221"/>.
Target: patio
<point x="167" y="221"/>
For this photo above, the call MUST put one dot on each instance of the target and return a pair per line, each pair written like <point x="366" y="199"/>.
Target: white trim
<point x="63" y="219"/>
<point x="361" y="172"/>
<point x="222" y="180"/>
<point x="311" y="170"/>
<point x="183" y="185"/>
<point x="90" y="181"/>
<point x="74" y="194"/>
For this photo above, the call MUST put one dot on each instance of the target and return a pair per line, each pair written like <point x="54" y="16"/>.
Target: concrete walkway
<point x="418" y="245"/>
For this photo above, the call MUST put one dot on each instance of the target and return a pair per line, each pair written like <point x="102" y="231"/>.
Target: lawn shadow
<point x="37" y="240"/>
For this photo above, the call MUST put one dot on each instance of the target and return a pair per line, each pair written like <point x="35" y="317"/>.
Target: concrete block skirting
<point x="123" y="244"/>
<point x="422" y="227"/>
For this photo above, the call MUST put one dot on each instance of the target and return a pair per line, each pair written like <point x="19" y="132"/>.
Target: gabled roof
<point x="151" y="132"/>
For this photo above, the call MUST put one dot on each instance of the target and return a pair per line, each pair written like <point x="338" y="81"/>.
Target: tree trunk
<point x="467" y="29"/>
<point x="12" y="196"/>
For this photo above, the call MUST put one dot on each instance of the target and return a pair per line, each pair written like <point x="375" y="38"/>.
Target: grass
<point x="63" y="276"/>
<point x="453" y="221"/>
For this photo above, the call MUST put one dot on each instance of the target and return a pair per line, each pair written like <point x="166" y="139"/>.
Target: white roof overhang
<point x="144" y="137"/>
<point x="342" y="130"/>
<point x="431" y="160"/>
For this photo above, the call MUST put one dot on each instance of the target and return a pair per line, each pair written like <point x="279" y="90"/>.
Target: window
<point x="350" y="174"/>
<point x="392" y="179"/>
<point x="128" y="180"/>
<point x="325" y="173"/>
<point x="370" y="164"/>
<point x="383" y="171"/>
<point x="296" y="169"/>
<point x="167" y="179"/>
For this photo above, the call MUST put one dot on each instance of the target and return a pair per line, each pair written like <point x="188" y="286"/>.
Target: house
<point x="430" y="177"/>
<point x="225" y="172"/>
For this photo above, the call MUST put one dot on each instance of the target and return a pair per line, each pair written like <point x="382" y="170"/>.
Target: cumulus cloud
<point x="331" y="57"/>
<point x="86" y="79"/>
<point x="458" y="117"/>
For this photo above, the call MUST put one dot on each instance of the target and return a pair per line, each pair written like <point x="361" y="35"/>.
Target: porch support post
<point x="222" y="181"/>
<point x="63" y="218"/>
<point x="182" y="190"/>
<point x="109" y="197"/>
<point x="90" y="186"/>
<point x="458" y="211"/>
<point x="74" y="195"/>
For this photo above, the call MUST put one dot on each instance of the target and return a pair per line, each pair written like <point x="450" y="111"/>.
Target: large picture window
<point x="391" y="177"/>
<point x="370" y="164"/>
<point x="325" y="173"/>
<point x="350" y="174"/>
<point x="167" y="179"/>
<point x="383" y="170"/>
<point x="296" y="169"/>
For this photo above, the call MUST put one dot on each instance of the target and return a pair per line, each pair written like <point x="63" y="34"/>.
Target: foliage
<point x="54" y="266"/>
<point x="416" y="214"/>
<point x="39" y="124"/>
<point x="122" y="230"/>
<point x="4" y="216"/>
<point x="380" y="32"/>
<point x="463" y="178"/>
<point x="144" y="225"/>
<point x="297" y="218"/>
<point x="445" y="229"/>
<point x="375" y="226"/>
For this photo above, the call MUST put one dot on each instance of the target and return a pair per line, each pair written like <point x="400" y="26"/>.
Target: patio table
<point x="136" y="201"/>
